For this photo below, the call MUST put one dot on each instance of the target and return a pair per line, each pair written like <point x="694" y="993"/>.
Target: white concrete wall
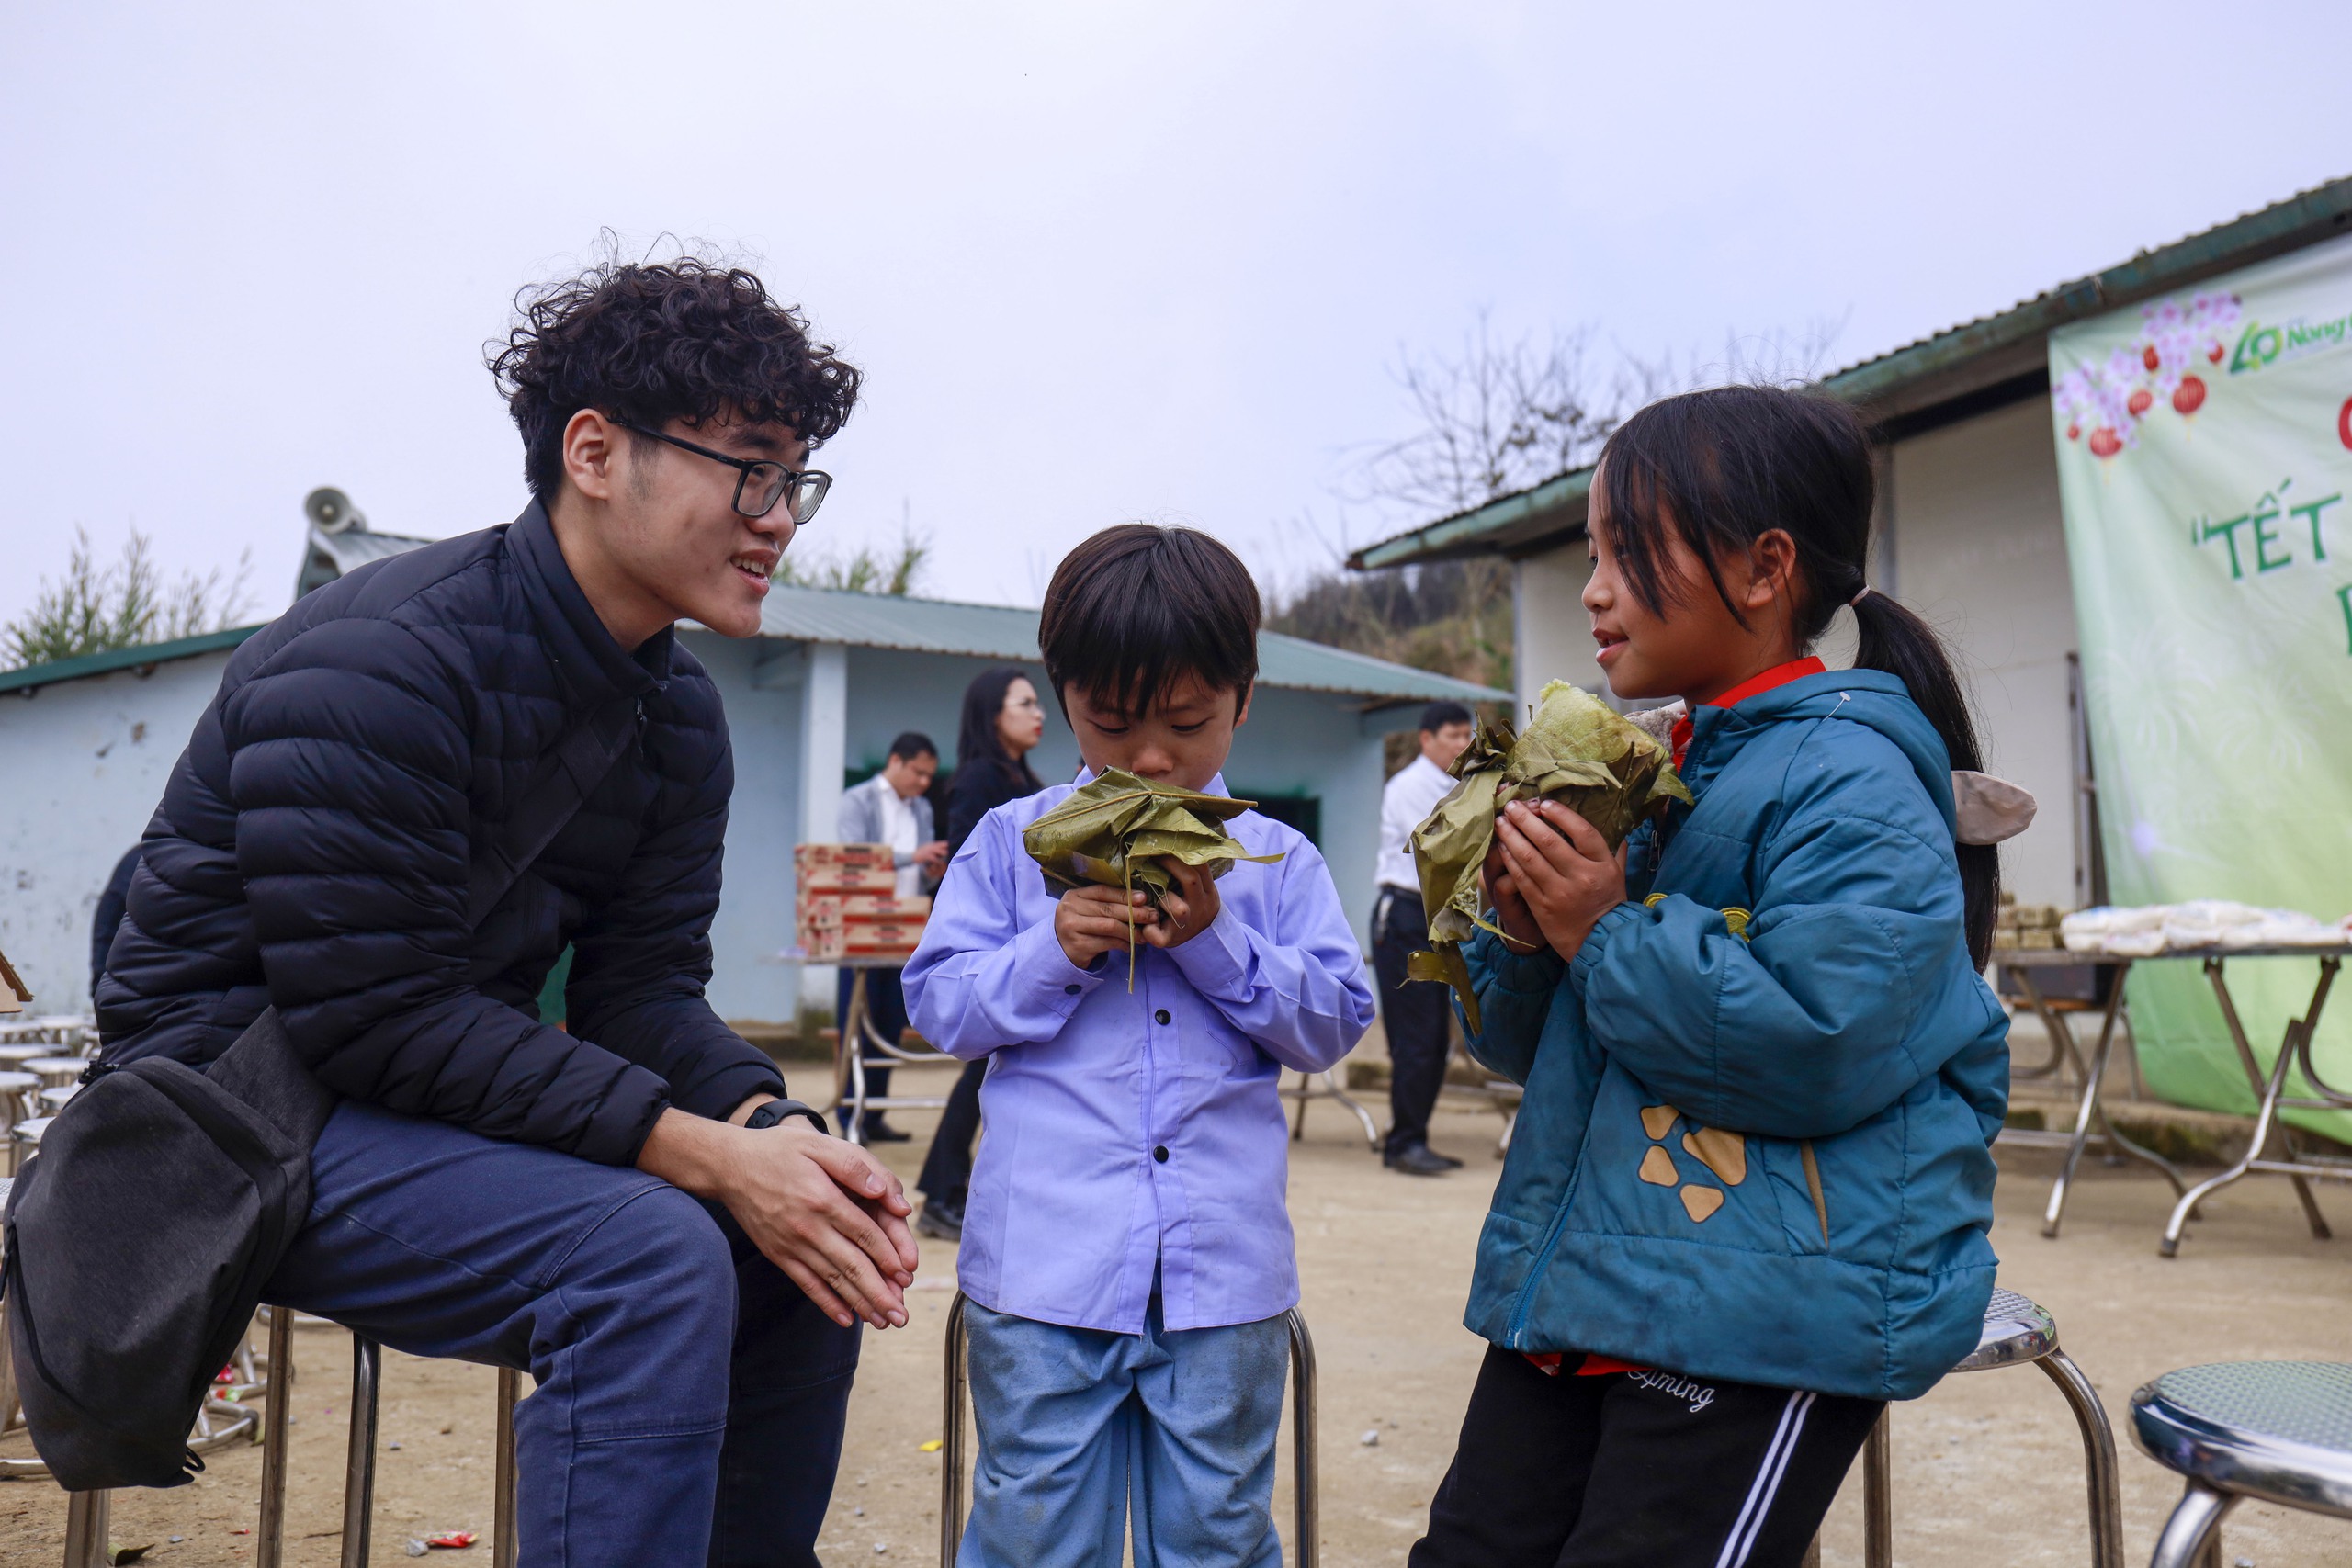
<point x="1975" y="546"/>
<point x="1981" y="554"/>
<point x="1552" y="639"/>
<point x="82" y="766"/>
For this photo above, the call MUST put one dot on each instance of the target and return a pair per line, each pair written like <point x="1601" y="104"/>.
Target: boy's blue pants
<point x="690" y="1399"/>
<point x="1075" y="1422"/>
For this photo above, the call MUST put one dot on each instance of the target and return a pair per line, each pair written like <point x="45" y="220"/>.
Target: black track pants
<point x="1637" y="1470"/>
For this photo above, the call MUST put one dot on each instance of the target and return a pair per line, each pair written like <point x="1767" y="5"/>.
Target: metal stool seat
<point x="56" y="1071"/>
<point x="2277" y="1431"/>
<point x="15" y="1053"/>
<point x="25" y="1137"/>
<point x="53" y="1099"/>
<point x="2018" y="1331"/>
<point x="18" y="1089"/>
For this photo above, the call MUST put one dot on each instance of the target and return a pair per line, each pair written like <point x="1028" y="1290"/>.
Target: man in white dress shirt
<point x="892" y="807"/>
<point x="1413" y="1012"/>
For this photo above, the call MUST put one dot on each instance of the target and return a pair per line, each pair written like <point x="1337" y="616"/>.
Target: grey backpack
<point x="163" y="1198"/>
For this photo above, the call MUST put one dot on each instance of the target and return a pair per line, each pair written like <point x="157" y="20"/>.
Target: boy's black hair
<point x="911" y="744"/>
<point x="648" y="344"/>
<point x="1137" y="607"/>
<point x="1721" y="468"/>
<point x="1440" y="714"/>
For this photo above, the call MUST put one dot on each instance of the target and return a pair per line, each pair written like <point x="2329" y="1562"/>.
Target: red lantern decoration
<point x="2074" y="433"/>
<point x="2190" y="396"/>
<point x="2141" y="401"/>
<point x="2214" y="355"/>
<point x="2149" y="358"/>
<point x="2105" y="443"/>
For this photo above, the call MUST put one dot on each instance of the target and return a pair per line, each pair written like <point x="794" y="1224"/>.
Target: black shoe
<point x="1449" y="1161"/>
<point x="943" y="1221"/>
<point x="1419" y="1159"/>
<point x="880" y="1132"/>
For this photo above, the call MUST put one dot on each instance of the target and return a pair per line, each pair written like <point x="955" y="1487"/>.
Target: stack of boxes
<point x="2025" y="926"/>
<point x="846" y="904"/>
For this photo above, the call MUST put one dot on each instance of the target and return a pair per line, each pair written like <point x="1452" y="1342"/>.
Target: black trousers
<point x="1637" y="1470"/>
<point x="1414" y="1014"/>
<point x="947" y="1168"/>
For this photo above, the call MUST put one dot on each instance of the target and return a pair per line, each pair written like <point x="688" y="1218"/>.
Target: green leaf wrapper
<point x="1117" y="830"/>
<point x="1578" y="751"/>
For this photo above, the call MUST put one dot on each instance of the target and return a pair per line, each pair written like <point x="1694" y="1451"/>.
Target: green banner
<point x="2204" y="458"/>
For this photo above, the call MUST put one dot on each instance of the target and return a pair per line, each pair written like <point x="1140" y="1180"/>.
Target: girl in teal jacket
<point x="1749" y="1189"/>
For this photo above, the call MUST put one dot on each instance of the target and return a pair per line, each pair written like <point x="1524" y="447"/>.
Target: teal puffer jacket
<point x="1756" y="1139"/>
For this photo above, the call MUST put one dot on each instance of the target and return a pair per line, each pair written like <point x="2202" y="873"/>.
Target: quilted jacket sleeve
<point x="349" y="761"/>
<point x="1845" y="992"/>
<point x="640" y="965"/>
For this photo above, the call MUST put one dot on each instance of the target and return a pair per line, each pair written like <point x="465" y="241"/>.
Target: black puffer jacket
<point x="314" y="844"/>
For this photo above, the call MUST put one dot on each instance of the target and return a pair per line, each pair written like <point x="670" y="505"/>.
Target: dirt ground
<point x="1988" y="1467"/>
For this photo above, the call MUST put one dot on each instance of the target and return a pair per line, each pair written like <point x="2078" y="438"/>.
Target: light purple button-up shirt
<point x="1125" y="1130"/>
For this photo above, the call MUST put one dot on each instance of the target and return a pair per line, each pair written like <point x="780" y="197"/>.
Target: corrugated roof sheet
<point x="1000" y="631"/>
<point x="1955" y="363"/>
<point x="873" y="620"/>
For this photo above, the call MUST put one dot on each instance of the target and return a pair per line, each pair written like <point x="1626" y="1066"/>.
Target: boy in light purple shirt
<point x="1126" y="1250"/>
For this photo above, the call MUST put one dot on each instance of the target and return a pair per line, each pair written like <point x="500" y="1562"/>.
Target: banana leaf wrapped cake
<point x="1115" y="831"/>
<point x="1577" y="750"/>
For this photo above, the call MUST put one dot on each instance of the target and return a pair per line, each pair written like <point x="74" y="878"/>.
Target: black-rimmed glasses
<point x="762" y="483"/>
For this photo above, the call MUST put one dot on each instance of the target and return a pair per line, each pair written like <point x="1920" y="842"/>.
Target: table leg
<point x="2265" y="1116"/>
<point x="853" y="1030"/>
<point x="2060" y="1039"/>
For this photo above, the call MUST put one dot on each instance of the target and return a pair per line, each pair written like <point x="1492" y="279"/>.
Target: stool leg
<point x="2098" y="1458"/>
<point x="1878" y="1493"/>
<point x="278" y="1404"/>
<point x="359" y="1460"/>
<point x="1306" y="1479"/>
<point x="85" y="1529"/>
<point x="951" y="1440"/>
<point x="2192" y="1536"/>
<point x="504" y="1533"/>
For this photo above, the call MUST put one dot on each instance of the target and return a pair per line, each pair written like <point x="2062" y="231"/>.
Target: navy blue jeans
<point x="690" y="1399"/>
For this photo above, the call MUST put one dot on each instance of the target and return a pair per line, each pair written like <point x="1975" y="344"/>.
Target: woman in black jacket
<point x="1002" y="723"/>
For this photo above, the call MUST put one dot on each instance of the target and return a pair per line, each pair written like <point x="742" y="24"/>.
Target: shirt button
<point x="1069" y="990"/>
<point x="1162" y="1016"/>
<point x="1160" y="1153"/>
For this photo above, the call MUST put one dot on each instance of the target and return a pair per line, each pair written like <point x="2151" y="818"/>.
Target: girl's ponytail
<point x="1900" y="643"/>
<point x="1723" y="466"/>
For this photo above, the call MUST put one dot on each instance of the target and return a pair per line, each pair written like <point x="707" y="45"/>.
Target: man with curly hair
<point x="631" y="1210"/>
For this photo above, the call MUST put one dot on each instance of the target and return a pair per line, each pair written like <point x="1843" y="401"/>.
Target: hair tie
<point x="1856" y="602"/>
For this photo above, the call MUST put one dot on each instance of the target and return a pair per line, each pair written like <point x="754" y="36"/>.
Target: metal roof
<point x="1991" y="360"/>
<point x="32" y="677"/>
<point x="329" y="555"/>
<point x="874" y="620"/>
<point x="998" y="631"/>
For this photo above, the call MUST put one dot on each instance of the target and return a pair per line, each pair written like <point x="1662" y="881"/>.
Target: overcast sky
<point x="1100" y="261"/>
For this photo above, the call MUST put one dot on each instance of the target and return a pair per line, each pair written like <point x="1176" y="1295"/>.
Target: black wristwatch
<point x="776" y="1110"/>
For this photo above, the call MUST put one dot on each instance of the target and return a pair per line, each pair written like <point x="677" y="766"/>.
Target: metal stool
<point x="2278" y="1431"/>
<point x="56" y="1072"/>
<point x="1304" y="1448"/>
<point x="15" y="1053"/>
<point x="17" y="1092"/>
<point x="23" y="1139"/>
<point x="359" y="1456"/>
<point x="2016" y="1331"/>
<point x="52" y="1101"/>
<point x="1330" y="1090"/>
